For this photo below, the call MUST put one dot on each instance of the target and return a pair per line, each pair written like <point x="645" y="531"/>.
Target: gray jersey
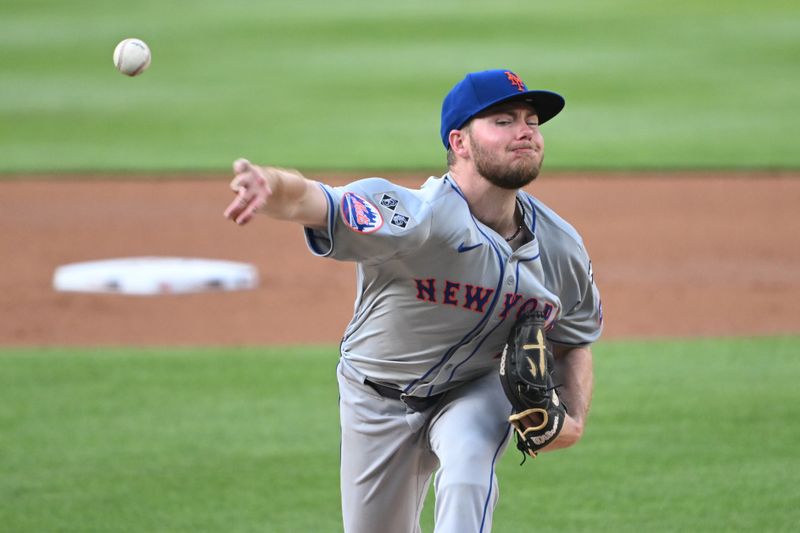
<point x="438" y="291"/>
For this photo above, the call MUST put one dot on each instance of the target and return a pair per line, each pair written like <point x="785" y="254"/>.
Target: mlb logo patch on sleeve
<point x="359" y="214"/>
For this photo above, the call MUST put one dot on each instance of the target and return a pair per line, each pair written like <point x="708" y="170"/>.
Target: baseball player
<point x="443" y="272"/>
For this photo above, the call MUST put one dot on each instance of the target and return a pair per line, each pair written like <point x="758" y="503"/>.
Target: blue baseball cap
<point x="481" y="90"/>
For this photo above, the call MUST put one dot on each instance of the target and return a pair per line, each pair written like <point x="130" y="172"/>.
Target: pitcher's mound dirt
<point x="674" y="255"/>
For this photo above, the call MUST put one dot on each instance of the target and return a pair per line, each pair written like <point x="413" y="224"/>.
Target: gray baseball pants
<point x="390" y="452"/>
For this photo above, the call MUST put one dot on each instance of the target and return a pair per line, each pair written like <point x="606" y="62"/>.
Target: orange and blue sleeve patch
<point x="359" y="214"/>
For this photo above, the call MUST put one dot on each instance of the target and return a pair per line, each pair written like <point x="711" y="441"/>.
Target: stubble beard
<point x="506" y="176"/>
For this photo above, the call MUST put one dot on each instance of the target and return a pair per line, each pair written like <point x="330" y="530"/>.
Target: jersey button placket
<point x="511" y="266"/>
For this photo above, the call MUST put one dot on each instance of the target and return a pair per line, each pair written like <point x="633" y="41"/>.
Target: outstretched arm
<point x="278" y="193"/>
<point x="574" y="374"/>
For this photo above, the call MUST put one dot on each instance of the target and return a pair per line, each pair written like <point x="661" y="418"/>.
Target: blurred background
<point x="358" y="84"/>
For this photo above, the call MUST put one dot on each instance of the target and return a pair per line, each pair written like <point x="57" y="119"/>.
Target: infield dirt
<point x="675" y="255"/>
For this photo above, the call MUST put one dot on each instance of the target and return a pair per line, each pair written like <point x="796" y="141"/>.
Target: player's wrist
<point x="570" y="434"/>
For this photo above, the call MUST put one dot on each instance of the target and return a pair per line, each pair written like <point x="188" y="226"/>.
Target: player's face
<point x="506" y="145"/>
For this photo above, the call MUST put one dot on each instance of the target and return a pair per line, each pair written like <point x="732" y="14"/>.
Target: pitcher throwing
<point x="444" y="273"/>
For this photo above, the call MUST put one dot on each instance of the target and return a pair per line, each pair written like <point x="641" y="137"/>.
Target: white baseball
<point x="132" y="57"/>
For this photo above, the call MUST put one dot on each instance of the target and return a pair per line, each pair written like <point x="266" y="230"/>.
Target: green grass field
<point x="684" y="436"/>
<point x="358" y="84"/>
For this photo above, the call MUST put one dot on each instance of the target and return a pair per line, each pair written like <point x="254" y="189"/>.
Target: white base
<point x="155" y="275"/>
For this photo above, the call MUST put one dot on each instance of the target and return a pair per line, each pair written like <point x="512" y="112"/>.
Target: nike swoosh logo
<point x="464" y="248"/>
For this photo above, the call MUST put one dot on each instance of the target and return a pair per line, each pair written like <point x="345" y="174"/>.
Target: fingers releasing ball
<point x="132" y="57"/>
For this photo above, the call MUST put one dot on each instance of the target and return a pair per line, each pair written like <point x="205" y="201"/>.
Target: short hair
<point x="451" y="158"/>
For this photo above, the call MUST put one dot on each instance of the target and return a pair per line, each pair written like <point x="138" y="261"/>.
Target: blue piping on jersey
<point x="331" y="215"/>
<point x="478" y="347"/>
<point x="491" y="476"/>
<point x="471" y="334"/>
<point x="516" y="287"/>
<point x="524" y="260"/>
<point x="339" y="404"/>
<point x="331" y="206"/>
<point x="533" y="216"/>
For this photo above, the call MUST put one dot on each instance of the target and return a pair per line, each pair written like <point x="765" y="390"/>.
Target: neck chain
<point x="521" y="224"/>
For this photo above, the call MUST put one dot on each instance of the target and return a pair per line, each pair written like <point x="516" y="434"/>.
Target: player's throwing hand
<point x="252" y="191"/>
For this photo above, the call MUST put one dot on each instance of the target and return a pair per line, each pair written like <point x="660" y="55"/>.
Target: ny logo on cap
<point x="516" y="81"/>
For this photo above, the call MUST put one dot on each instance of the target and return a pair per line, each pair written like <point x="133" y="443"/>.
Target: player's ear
<point x="458" y="142"/>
